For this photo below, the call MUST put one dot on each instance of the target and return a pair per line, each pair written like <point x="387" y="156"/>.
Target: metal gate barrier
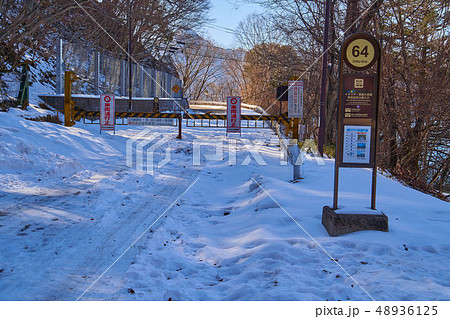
<point x="93" y="116"/>
<point x="192" y="120"/>
<point x="247" y="121"/>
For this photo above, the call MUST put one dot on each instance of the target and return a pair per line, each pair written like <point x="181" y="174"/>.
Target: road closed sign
<point x="107" y="112"/>
<point x="233" y="114"/>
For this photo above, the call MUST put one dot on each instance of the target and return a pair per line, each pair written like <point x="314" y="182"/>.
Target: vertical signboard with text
<point x="107" y="112"/>
<point x="233" y="115"/>
<point x="357" y="131"/>
<point x="295" y="100"/>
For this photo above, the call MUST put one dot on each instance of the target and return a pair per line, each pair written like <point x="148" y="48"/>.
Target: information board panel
<point x="151" y="121"/>
<point x="233" y="114"/>
<point x="295" y="101"/>
<point x="358" y="96"/>
<point x="356" y="144"/>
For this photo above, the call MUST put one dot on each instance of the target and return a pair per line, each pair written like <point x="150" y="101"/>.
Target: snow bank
<point x="70" y="207"/>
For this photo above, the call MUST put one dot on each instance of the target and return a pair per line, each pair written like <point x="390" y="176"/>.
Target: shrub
<point x="329" y="150"/>
<point x="46" y="118"/>
<point x="44" y="106"/>
<point x="7" y="104"/>
<point x="308" y="146"/>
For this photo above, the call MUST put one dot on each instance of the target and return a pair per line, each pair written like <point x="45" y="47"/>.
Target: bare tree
<point x="266" y="66"/>
<point x="232" y="81"/>
<point x="198" y="66"/>
<point x="257" y="29"/>
<point x="415" y="41"/>
<point x="24" y="27"/>
<point x="28" y="28"/>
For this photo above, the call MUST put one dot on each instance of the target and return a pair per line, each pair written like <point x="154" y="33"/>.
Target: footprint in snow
<point x="25" y="228"/>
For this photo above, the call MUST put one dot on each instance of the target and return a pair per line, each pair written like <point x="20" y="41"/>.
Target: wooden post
<point x="295" y="129"/>
<point x="375" y="139"/>
<point x="180" y="117"/>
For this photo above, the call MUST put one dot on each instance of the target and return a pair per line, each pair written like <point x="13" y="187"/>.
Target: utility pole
<point x="59" y="67"/>
<point x="130" y="74"/>
<point x="323" y="90"/>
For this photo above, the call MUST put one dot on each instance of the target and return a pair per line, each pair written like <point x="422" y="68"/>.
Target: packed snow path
<point x="70" y="207"/>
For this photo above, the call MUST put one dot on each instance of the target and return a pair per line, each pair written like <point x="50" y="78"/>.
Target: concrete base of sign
<point x="340" y="221"/>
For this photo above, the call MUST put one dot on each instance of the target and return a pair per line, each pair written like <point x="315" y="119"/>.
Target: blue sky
<point x="228" y="14"/>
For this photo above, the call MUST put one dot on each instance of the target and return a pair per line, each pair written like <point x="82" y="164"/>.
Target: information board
<point x="151" y="121"/>
<point x="356" y="144"/>
<point x="295" y="101"/>
<point x="358" y="96"/>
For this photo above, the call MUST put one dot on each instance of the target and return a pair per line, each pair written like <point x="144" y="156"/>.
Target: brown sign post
<point x="357" y="130"/>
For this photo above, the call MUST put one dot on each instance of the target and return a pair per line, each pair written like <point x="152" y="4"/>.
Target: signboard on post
<point x="357" y="131"/>
<point x="295" y="101"/>
<point x="107" y="112"/>
<point x="233" y="115"/>
<point x="358" y="107"/>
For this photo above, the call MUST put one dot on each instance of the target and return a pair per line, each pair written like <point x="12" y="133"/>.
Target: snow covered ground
<point x="70" y="207"/>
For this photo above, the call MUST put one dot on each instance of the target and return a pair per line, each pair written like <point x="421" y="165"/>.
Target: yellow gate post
<point x="69" y="78"/>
